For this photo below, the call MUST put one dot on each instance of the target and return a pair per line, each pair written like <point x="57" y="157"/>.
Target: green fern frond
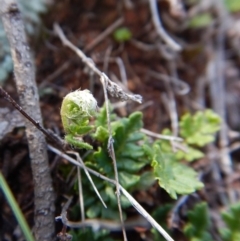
<point x="198" y="224"/>
<point x="130" y="156"/>
<point x="174" y="177"/>
<point x="199" y="129"/>
<point x="232" y="221"/>
<point x="77" y="107"/>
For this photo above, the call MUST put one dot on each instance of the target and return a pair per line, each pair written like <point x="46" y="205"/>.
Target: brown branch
<point x="48" y="133"/>
<point x="97" y="224"/>
<point x="104" y="34"/>
<point x="113" y="89"/>
<point x="25" y="81"/>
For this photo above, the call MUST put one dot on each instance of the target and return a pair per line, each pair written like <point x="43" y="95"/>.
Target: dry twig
<point x="133" y="201"/>
<point x="113" y="89"/>
<point x="97" y="224"/>
<point x="48" y="133"/>
<point x="88" y="176"/>
<point x="28" y="95"/>
<point x="159" y="28"/>
<point x="112" y="155"/>
<point x="104" y="34"/>
<point x="217" y="90"/>
<point x="159" y="136"/>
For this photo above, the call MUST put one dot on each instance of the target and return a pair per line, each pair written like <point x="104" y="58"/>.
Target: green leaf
<point x="80" y="130"/>
<point x="111" y="195"/>
<point x="232" y="5"/>
<point x="136" y="136"/>
<point x="147" y="179"/>
<point x="128" y="180"/>
<point x="77" y="107"/>
<point x="122" y="34"/>
<point x="103" y="162"/>
<point x="190" y="155"/>
<point x="199" y="129"/>
<point x="198" y="223"/>
<point x="232" y="221"/>
<point x="124" y="202"/>
<point x="101" y="134"/>
<point x="173" y="176"/>
<point x="93" y="211"/>
<point x="125" y="163"/>
<point x="161" y="215"/>
<point x="135" y="122"/>
<point x="148" y="151"/>
<point x="112" y="200"/>
<point x="132" y="150"/>
<point x="129" y="153"/>
<point x="110" y="214"/>
<point x="201" y="20"/>
<point x="76" y="142"/>
<point x="101" y="118"/>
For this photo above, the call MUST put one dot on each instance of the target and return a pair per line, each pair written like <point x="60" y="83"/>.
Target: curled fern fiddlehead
<point x="77" y="107"/>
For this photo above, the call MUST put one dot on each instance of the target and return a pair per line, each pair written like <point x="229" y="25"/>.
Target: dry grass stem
<point x="113" y="89"/>
<point x="159" y="136"/>
<point x="79" y="159"/>
<point x="133" y="201"/>
<point x="159" y="28"/>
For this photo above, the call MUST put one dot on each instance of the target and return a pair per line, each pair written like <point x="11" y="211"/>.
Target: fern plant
<point x="198" y="225"/>
<point x="176" y="178"/>
<point x="197" y="131"/>
<point x="130" y="160"/>
<point x="197" y="228"/>
<point x="232" y="221"/>
<point x="160" y="214"/>
<point x="134" y="151"/>
<point x="76" y="110"/>
<point x="173" y="176"/>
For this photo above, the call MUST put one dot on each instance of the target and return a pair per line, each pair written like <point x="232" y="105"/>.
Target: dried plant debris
<point x="31" y="11"/>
